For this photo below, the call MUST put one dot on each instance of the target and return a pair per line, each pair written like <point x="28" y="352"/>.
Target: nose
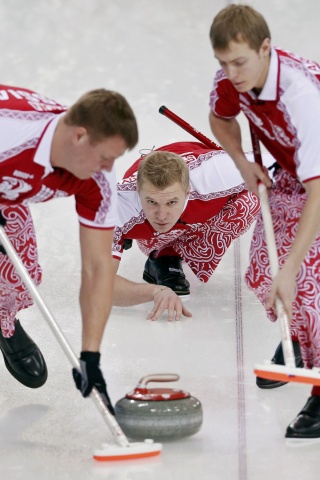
<point x="161" y="213"/>
<point x="231" y="72"/>
<point x="107" y="165"/>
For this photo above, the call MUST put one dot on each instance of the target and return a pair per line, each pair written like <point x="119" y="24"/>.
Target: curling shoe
<point x="167" y="271"/>
<point x="278" y="359"/>
<point x="306" y="426"/>
<point x="23" y="358"/>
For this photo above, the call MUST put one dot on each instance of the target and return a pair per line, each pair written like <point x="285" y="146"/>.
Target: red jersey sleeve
<point x="16" y="98"/>
<point x="224" y="98"/>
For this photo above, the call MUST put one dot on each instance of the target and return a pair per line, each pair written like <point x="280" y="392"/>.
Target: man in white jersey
<point x="185" y="203"/>
<point x="279" y="93"/>
<point x="47" y="152"/>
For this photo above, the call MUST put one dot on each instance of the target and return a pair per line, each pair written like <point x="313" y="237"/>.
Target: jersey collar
<point x="42" y="155"/>
<point x="270" y="89"/>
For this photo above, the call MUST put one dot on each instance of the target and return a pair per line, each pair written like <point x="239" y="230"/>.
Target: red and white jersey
<point x="214" y="179"/>
<point x="27" y="124"/>
<point x="286" y="114"/>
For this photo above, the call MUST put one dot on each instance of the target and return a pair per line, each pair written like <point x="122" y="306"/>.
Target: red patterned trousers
<point x="13" y="294"/>
<point x="287" y="200"/>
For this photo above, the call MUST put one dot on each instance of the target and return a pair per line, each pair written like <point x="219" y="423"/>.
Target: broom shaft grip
<point x="95" y="395"/>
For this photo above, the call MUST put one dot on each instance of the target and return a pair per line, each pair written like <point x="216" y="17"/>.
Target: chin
<point x="164" y="229"/>
<point x="86" y="176"/>
<point x="242" y="88"/>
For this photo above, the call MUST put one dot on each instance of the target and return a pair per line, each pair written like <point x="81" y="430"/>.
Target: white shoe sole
<point x="301" y="442"/>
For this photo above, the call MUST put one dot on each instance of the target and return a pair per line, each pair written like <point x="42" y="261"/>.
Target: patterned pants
<point x="287" y="200"/>
<point x="13" y="294"/>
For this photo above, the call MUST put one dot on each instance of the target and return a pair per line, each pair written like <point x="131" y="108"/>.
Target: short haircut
<point x="104" y="113"/>
<point x="162" y="169"/>
<point x="238" y="23"/>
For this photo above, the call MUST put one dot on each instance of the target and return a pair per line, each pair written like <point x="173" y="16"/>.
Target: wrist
<point x="292" y="266"/>
<point x="92" y="357"/>
<point x="159" y="290"/>
<point x="242" y="163"/>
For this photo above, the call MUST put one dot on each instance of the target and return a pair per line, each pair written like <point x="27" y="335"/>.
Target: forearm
<point x="95" y="302"/>
<point x="127" y="293"/>
<point x="228" y="135"/>
<point x="97" y="282"/>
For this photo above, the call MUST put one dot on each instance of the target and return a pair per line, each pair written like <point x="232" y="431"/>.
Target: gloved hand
<point x="2" y="223"/>
<point x="91" y="376"/>
<point x="2" y="219"/>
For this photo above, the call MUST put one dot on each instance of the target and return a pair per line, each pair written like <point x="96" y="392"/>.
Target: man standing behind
<point x="279" y="93"/>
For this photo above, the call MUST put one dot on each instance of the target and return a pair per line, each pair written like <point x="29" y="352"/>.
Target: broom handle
<point x="188" y="128"/>
<point x="286" y="341"/>
<point x="94" y="395"/>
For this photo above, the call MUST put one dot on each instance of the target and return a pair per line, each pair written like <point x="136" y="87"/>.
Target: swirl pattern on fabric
<point x="287" y="200"/>
<point x="13" y="294"/>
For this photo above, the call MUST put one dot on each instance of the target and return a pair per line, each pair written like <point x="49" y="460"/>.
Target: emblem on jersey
<point x="11" y="188"/>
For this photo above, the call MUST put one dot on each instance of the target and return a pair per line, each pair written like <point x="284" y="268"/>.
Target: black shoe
<point x="307" y="424"/>
<point x="23" y="358"/>
<point x="278" y="359"/>
<point x="167" y="271"/>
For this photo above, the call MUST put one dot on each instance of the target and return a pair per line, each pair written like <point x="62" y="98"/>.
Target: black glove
<point x="2" y="223"/>
<point x="91" y="376"/>
<point x="2" y="219"/>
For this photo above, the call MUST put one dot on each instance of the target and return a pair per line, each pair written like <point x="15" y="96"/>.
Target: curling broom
<point x="287" y="372"/>
<point x="123" y="450"/>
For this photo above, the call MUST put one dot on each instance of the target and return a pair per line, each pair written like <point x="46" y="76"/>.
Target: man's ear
<point x="79" y="134"/>
<point x="265" y="47"/>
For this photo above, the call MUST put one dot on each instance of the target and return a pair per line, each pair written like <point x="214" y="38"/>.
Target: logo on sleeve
<point x="11" y="188"/>
<point x="25" y="175"/>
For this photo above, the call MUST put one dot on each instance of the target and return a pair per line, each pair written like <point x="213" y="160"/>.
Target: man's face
<point x="162" y="207"/>
<point x="245" y="68"/>
<point x="88" y="158"/>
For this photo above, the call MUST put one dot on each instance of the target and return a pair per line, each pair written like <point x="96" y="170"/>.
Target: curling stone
<point x="158" y="413"/>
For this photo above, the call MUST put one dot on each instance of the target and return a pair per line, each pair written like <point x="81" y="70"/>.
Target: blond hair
<point x="104" y="113"/>
<point x="162" y="169"/>
<point x="238" y="23"/>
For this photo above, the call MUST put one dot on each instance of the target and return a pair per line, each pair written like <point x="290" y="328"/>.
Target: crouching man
<point x="182" y="203"/>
